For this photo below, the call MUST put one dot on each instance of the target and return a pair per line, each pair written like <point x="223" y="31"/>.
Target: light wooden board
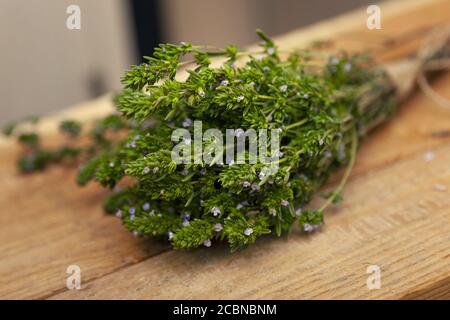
<point x="392" y="215"/>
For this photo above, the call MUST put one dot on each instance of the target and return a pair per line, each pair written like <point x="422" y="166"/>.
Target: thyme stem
<point x="348" y="170"/>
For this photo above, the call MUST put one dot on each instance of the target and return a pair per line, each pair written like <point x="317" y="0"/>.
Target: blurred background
<point x="46" y="67"/>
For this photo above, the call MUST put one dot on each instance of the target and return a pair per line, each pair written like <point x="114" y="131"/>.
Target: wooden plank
<point x="392" y="216"/>
<point x="49" y="223"/>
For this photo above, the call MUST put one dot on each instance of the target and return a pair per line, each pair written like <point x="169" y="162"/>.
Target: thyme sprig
<point x="322" y="110"/>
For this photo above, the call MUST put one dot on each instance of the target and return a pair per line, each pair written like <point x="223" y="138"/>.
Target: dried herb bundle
<point x="320" y="109"/>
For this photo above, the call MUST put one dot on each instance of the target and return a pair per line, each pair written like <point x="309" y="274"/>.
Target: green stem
<point x="296" y="124"/>
<point x="341" y="185"/>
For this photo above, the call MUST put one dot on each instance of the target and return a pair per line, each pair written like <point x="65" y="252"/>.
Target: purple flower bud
<point x="239" y="132"/>
<point x="255" y="187"/>
<point x="146" y="206"/>
<point x="207" y="243"/>
<point x="246" y="184"/>
<point x="284" y="203"/>
<point x="215" y="211"/>
<point x="187" y="123"/>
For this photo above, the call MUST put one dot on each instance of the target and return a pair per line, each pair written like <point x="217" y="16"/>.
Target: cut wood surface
<point x="395" y="213"/>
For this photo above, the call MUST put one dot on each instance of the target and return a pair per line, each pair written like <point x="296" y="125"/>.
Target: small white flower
<point x="155" y="170"/>
<point x="298" y="212"/>
<point x="187" y="123"/>
<point x="233" y="65"/>
<point x="224" y="83"/>
<point x="135" y="233"/>
<point x="218" y="227"/>
<point x="170" y="234"/>
<point x="111" y="164"/>
<point x="270" y="51"/>
<point x="201" y="94"/>
<point x="185" y="172"/>
<point x="207" y="243"/>
<point x="270" y="181"/>
<point x="266" y="68"/>
<point x="279" y="130"/>
<point x="321" y="142"/>
<point x="239" y="206"/>
<point x="152" y="213"/>
<point x="146" y="170"/>
<point x="429" y="156"/>
<point x="146" y="206"/>
<point x="251" y="84"/>
<point x="239" y="99"/>
<point x="347" y="67"/>
<point x="306" y="96"/>
<point x="248" y="231"/>
<point x="279" y="153"/>
<point x="307" y="227"/>
<point x="215" y="211"/>
<point x="119" y="213"/>
<point x="334" y="61"/>
<point x="132" y="144"/>
<point x="246" y="184"/>
<point x="186" y="223"/>
<point x="284" y="203"/>
<point x="182" y="43"/>
<point x="239" y="132"/>
<point x="262" y="175"/>
<point x="283" y="88"/>
<point x="259" y="57"/>
<point x="272" y="212"/>
<point x="255" y="187"/>
<point x="132" y="216"/>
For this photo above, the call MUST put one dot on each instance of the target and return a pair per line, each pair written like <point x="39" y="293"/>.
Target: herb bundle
<point x="321" y="107"/>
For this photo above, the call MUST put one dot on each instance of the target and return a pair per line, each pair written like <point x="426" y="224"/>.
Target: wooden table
<point x="395" y="214"/>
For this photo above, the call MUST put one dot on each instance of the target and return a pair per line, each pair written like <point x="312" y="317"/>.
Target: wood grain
<point x="392" y="215"/>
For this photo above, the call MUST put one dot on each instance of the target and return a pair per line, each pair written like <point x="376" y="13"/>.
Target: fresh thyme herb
<point x="321" y="108"/>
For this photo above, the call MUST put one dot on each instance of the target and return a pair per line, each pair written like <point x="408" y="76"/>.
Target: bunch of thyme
<point x="321" y="111"/>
